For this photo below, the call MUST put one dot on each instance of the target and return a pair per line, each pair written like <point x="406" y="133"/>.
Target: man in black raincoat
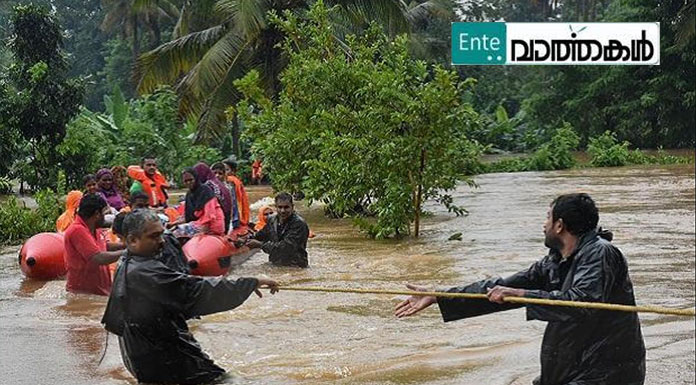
<point x="150" y="303"/>
<point x="580" y="346"/>
<point x="285" y="235"/>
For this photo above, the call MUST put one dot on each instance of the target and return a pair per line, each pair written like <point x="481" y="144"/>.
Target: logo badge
<point x="556" y="43"/>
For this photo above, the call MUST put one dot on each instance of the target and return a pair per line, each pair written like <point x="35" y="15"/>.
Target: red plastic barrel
<point x="208" y="255"/>
<point x="43" y="256"/>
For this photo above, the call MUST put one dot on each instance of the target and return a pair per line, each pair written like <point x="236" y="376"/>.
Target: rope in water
<point x="521" y="300"/>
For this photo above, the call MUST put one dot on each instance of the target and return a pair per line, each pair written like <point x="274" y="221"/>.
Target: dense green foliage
<point x="37" y="99"/>
<point x="360" y="126"/>
<point x="127" y="132"/>
<point x="18" y="222"/>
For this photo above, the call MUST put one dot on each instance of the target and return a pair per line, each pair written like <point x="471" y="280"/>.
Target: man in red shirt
<point x="86" y="256"/>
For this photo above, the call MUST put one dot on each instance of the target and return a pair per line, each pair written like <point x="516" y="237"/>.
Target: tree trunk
<point x="156" y="32"/>
<point x="136" y="39"/>
<point x="419" y="194"/>
<point x="235" y="136"/>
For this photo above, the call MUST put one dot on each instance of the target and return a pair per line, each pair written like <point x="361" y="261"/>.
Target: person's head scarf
<point x="261" y="222"/>
<point x="72" y="202"/>
<point x="207" y="177"/>
<point x="112" y="195"/>
<point x="196" y="197"/>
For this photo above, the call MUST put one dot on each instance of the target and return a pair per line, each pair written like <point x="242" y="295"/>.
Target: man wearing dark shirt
<point x="284" y="238"/>
<point x="580" y="346"/>
<point x="150" y="303"/>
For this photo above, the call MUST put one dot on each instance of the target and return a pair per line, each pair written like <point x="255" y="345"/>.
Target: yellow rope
<point x="523" y="300"/>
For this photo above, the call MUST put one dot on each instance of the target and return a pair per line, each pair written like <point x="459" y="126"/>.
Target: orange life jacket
<point x="155" y="188"/>
<point x="242" y="199"/>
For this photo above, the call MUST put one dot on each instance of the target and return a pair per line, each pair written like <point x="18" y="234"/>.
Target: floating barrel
<point x="43" y="256"/>
<point x="208" y="255"/>
<point x="212" y="255"/>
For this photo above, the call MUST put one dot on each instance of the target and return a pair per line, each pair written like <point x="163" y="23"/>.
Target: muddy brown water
<point x="49" y="337"/>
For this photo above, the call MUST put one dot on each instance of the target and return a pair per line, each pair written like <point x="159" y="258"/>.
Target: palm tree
<point x="130" y="16"/>
<point x="217" y="42"/>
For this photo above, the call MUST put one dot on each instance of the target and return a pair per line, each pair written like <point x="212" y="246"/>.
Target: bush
<point x="663" y="158"/>
<point x="18" y="222"/>
<point x="606" y="152"/>
<point x="5" y="185"/>
<point x="554" y="155"/>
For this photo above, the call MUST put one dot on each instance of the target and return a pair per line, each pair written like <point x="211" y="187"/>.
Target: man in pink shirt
<point x="88" y="255"/>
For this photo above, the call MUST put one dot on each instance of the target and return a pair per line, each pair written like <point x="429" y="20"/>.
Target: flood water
<point x="49" y="337"/>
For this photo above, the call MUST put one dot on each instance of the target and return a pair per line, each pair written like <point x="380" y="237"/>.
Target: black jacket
<point x="285" y="244"/>
<point x="172" y="254"/>
<point x="148" y="308"/>
<point x="580" y="346"/>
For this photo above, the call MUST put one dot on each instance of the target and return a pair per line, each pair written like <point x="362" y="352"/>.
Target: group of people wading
<point x="153" y="295"/>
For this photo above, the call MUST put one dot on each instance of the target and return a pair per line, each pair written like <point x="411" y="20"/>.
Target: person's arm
<point x="594" y="277"/>
<point x="458" y="308"/>
<point x="106" y="257"/>
<point x="83" y="241"/>
<point x="136" y="172"/>
<point x="115" y="246"/>
<point x="262" y="235"/>
<point x="194" y="295"/>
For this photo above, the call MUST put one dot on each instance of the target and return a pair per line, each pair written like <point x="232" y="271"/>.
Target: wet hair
<point x="218" y="166"/>
<point x="117" y="226"/>
<point x="87" y="178"/>
<point x="578" y="211"/>
<point x="90" y="204"/>
<point x="231" y="162"/>
<point x="135" y="221"/>
<point x="283" y="196"/>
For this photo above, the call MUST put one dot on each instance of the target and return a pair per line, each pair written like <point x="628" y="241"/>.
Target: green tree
<point x="217" y="42"/>
<point x="126" y="132"/>
<point x="360" y="125"/>
<point x="37" y="99"/>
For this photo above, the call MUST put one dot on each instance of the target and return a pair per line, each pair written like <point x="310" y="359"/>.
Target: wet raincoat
<point x="172" y="255"/>
<point x="148" y="309"/>
<point x="285" y="243"/>
<point x="580" y="346"/>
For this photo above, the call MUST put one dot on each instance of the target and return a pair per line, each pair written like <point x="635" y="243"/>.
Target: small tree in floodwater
<point x="37" y="99"/>
<point x="361" y="126"/>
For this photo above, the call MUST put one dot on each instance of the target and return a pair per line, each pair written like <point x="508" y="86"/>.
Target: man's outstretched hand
<point x="414" y="303"/>
<point x="266" y="283"/>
